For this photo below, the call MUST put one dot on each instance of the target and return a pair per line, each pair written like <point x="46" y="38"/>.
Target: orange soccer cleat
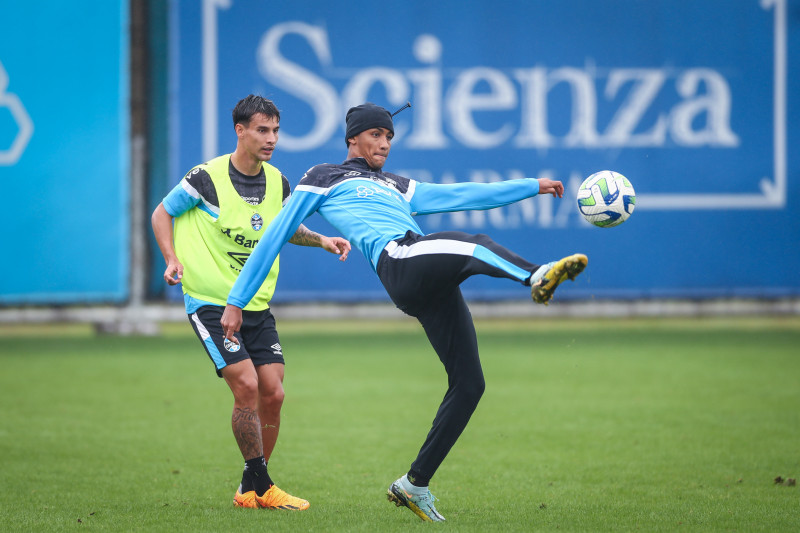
<point x="248" y="499"/>
<point x="274" y="498"/>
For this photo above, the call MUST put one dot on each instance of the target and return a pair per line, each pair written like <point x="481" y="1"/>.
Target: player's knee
<point x="478" y="388"/>
<point x="245" y="390"/>
<point x="482" y="239"/>
<point x="273" y="399"/>
<point x="471" y="390"/>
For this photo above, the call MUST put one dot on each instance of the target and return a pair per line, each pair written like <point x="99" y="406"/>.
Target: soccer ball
<point x="606" y="199"/>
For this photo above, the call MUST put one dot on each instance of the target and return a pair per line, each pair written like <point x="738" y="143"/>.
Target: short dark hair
<point x="252" y="105"/>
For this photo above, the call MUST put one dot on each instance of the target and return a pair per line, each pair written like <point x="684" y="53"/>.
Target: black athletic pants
<point x="422" y="275"/>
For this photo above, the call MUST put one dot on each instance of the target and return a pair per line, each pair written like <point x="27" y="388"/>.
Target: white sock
<point x="541" y="271"/>
<point x="410" y="487"/>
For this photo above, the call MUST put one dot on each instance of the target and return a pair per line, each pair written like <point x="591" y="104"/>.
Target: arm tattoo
<point x="247" y="430"/>
<point x="305" y="237"/>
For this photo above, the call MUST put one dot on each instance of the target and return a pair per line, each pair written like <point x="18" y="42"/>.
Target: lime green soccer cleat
<point x="545" y="280"/>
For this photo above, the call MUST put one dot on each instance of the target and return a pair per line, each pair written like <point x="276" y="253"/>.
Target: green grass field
<point x="586" y="425"/>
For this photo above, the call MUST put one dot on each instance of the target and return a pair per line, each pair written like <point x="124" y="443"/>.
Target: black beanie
<point x="367" y="116"/>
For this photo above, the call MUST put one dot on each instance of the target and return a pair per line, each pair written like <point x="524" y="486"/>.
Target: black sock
<point x="255" y="476"/>
<point x="418" y="480"/>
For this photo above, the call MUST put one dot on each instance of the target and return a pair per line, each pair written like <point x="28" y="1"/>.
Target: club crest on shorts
<point x="256" y="221"/>
<point x="231" y="346"/>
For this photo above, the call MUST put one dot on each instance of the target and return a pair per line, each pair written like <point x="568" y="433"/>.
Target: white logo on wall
<point x="698" y="91"/>
<point x="444" y="111"/>
<point x="10" y="155"/>
<point x="446" y="101"/>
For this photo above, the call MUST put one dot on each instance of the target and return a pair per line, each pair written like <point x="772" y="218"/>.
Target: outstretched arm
<point x="467" y="196"/>
<point x="335" y="245"/>
<point x="232" y="316"/>
<point x="258" y="265"/>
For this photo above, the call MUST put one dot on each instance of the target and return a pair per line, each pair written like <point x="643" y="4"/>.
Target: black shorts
<point x="417" y="270"/>
<point x="258" y="337"/>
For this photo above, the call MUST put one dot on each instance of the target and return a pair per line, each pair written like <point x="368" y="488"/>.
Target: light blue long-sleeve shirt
<point x="369" y="208"/>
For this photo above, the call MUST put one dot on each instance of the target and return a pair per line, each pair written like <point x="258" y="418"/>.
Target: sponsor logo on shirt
<point x="364" y="192"/>
<point x="385" y="180"/>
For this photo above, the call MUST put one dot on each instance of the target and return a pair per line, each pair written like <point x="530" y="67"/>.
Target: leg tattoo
<point x="247" y="430"/>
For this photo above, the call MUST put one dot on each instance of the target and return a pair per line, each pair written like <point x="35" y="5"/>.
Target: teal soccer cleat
<point x="421" y="503"/>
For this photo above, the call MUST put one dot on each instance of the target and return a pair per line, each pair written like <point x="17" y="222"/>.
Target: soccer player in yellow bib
<point x="219" y="210"/>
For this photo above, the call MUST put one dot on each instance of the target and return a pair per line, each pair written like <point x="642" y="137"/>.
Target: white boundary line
<point x="146" y="319"/>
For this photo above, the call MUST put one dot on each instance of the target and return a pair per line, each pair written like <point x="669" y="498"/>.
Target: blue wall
<point x="695" y="102"/>
<point x="64" y="152"/>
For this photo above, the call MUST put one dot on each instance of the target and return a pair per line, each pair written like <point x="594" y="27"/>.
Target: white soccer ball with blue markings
<point x="606" y="199"/>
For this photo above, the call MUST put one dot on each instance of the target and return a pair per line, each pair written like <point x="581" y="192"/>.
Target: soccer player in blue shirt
<point x="421" y="273"/>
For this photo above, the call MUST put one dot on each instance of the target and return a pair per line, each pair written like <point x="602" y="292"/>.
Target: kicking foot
<point x="545" y="280"/>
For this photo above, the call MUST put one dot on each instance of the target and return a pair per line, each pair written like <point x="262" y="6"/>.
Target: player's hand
<point x="174" y="272"/>
<point x="231" y="322"/>
<point x="336" y="245"/>
<point x="548" y="186"/>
